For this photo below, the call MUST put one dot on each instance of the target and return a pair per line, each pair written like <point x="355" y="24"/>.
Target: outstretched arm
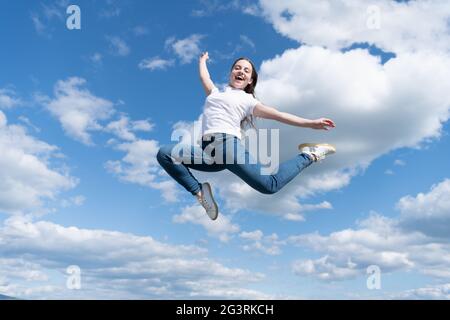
<point x="208" y="85"/>
<point x="267" y="112"/>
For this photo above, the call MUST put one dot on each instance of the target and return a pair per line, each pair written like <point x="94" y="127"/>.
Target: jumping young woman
<point x="225" y="113"/>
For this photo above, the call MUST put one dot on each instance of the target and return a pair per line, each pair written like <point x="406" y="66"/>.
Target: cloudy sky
<point x="83" y="113"/>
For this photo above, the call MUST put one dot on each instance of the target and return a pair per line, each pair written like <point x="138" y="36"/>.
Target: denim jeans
<point x="217" y="157"/>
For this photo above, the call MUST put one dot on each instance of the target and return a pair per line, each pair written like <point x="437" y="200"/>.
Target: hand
<point x="322" y="124"/>
<point x="204" y="56"/>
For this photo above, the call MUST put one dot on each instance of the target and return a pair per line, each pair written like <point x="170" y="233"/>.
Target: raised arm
<point x="208" y="85"/>
<point x="267" y="112"/>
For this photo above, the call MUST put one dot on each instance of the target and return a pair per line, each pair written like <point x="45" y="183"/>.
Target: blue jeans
<point x="216" y="158"/>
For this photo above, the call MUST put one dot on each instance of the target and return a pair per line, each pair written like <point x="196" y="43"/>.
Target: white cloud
<point x="8" y="99"/>
<point x="142" y="125"/>
<point x="27" y="178"/>
<point x="377" y="241"/>
<point x="323" y="269"/>
<point x="186" y="49"/>
<point x="353" y="88"/>
<point x="338" y="24"/>
<point x="436" y="292"/>
<point x="124" y="128"/>
<point x="118" y="46"/>
<point x="410" y="242"/>
<point x="222" y="228"/>
<point x="115" y="264"/>
<point x="209" y="8"/>
<point x="256" y="241"/>
<point x="141" y="167"/>
<point x="428" y="213"/>
<point x="252" y="9"/>
<point x="155" y="63"/>
<point x="252" y="235"/>
<point x="20" y="268"/>
<point x="77" y="109"/>
<point x="361" y="96"/>
<point x="43" y="19"/>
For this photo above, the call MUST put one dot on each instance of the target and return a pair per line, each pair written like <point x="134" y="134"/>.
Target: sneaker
<point x="317" y="151"/>
<point x="207" y="201"/>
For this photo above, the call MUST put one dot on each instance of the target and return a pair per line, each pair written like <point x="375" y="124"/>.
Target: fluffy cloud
<point x="390" y="25"/>
<point x="412" y="241"/>
<point x="324" y="269"/>
<point x="361" y="96"/>
<point x="349" y="252"/>
<point x="115" y="264"/>
<point x="186" y="49"/>
<point x="256" y="241"/>
<point x="77" y="109"/>
<point x="353" y="88"/>
<point x="47" y="14"/>
<point x="437" y="292"/>
<point x="8" y="99"/>
<point x="141" y="167"/>
<point x="222" y="228"/>
<point x="123" y="128"/>
<point x="118" y="46"/>
<point x="155" y="63"/>
<point x="27" y="178"/>
<point x="428" y="213"/>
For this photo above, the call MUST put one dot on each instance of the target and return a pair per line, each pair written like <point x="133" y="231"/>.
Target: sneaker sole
<point x="206" y="184"/>
<point x="332" y="148"/>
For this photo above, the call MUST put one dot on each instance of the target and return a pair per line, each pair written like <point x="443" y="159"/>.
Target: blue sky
<point x="83" y="113"/>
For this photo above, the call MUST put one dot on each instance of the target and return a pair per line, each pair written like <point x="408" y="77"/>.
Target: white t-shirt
<point x="224" y="111"/>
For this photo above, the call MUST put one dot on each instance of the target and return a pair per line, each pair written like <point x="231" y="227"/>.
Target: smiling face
<point x="241" y="74"/>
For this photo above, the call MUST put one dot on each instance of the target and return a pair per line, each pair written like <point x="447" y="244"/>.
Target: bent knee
<point x="265" y="189"/>
<point x="269" y="191"/>
<point x="163" y="153"/>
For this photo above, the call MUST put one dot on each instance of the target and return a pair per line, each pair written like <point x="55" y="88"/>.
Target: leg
<point x="250" y="172"/>
<point x="177" y="165"/>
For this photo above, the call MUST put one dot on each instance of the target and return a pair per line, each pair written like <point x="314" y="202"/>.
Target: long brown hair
<point x="248" y="121"/>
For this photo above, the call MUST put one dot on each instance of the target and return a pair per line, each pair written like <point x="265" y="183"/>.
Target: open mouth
<point x="239" y="78"/>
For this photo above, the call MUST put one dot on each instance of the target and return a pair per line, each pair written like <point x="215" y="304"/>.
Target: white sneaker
<point x="207" y="201"/>
<point x="317" y="151"/>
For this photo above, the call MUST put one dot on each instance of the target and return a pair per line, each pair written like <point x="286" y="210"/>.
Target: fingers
<point x="323" y="124"/>
<point x="328" y="122"/>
